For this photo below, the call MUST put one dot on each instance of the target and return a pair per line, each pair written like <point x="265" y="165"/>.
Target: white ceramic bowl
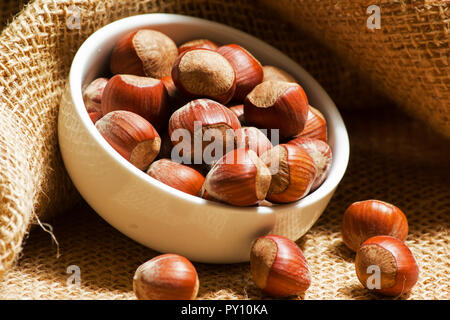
<point x="155" y="214"/>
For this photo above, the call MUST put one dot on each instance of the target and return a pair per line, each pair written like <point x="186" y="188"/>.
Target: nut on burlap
<point x="36" y="50"/>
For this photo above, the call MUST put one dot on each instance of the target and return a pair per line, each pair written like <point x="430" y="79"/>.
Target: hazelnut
<point x="386" y="265"/>
<point x="293" y="172"/>
<point x="238" y="110"/>
<point x="166" y="277"/>
<point x="249" y="72"/>
<point x="175" y="97"/>
<point x="316" y="126"/>
<point x="277" y="74"/>
<point x="369" y="218"/>
<point x="197" y="44"/>
<point x="252" y="138"/>
<point x="95" y="116"/>
<point x="199" y="116"/>
<point x="239" y="178"/>
<point x="278" y="266"/>
<point x="202" y="73"/>
<point x="92" y="95"/>
<point x="320" y="152"/>
<point x="133" y="137"/>
<point x="144" y="53"/>
<point x="177" y="175"/>
<point x="142" y="95"/>
<point x="277" y="105"/>
<point x="205" y="195"/>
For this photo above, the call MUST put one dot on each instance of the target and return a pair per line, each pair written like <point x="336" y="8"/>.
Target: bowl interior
<point x="92" y="59"/>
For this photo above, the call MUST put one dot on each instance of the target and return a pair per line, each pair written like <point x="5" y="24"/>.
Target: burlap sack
<point x="35" y="54"/>
<point x="407" y="58"/>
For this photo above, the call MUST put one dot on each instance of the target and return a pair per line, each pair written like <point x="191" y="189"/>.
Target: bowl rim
<point x="91" y="45"/>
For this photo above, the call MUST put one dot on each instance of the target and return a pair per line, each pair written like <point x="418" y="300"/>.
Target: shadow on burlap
<point x="393" y="158"/>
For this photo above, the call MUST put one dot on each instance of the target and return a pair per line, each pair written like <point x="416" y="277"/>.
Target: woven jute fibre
<point x="394" y="158"/>
<point x="408" y="58"/>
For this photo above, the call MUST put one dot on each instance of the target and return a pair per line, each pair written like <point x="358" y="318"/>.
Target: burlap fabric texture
<point x="408" y="58"/>
<point x="394" y="157"/>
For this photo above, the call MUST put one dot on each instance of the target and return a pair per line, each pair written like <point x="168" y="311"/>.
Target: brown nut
<point x="166" y="277"/>
<point x="278" y="266"/>
<point x="277" y="105"/>
<point x="144" y="53"/>
<point x="316" y="126"/>
<point x="175" y="97"/>
<point x="320" y="152"/>
<point x="95" y="116"/>
<point x="293" y="172"/>
<point x="252" y="138"/>
<point x="197" y="44"/>
<point x="386" y="265"/>
<point x="239" y="178"/>
<point x="202" y="73"/>
<point x="177" y="175"/>
<point x="238" y="110"/>
<point x="205" y="195"/>
<point x="203" y="117"/>
<point x="133" y="137"/>
<point x="365" y="219"/>
<point x="249" y="72"/>
<point x="142" y="95"/>
<point x="92" y="95"/>
<point x="277" y="74"/>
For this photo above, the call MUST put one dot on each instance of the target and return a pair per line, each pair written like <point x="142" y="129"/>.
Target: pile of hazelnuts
<point x="376" y="230"/>
<point x="157" y="89"/>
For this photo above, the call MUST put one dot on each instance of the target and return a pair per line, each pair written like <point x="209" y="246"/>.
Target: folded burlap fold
<point x="36" y="50"/>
